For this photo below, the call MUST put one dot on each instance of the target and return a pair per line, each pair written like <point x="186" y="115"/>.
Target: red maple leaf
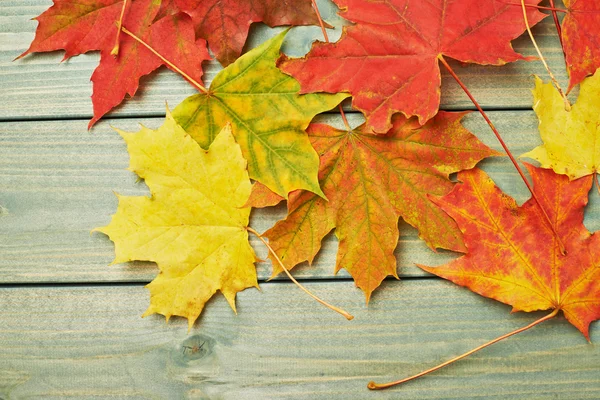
<point x="88" y="25"/>
<point x="581" y="39"/>
<point x="172" y="37"/>
<point x="388" y="61"/>
<point x="225" y="23"/>
<point x="514" y="257"/>
<point x="76" y="28"/>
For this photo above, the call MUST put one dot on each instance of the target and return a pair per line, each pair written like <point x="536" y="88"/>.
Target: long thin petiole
<point x="552" y="8"/>
<point x="556" y="84"/>
<point x="346" y="124"/>
<point x="169" y="63"/>
<point x="334" y="308"/>
<point x="316" y="8"/>
<point x="508" y="152"/>
<point x="115" y="50"/>
<point x="374" y="386"/>
<point x="557" y="23"/>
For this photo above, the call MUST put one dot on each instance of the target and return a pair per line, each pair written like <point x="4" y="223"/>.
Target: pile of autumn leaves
<point x="253" y="122"/>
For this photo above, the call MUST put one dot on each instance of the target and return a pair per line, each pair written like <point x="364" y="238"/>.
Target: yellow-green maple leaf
<point x="268" y="117"/>
<point x="571" y="138"/>
<point x="193" y="227"/>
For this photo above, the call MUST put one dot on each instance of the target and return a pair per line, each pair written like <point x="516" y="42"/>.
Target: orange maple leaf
<point x="370" y="182"/>
<point x="513" y="256"/>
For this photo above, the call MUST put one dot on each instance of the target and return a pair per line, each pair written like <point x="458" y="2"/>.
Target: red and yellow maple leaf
<point x="77" y="27"/>
<point x="172" y="37"/>
<point x="514" y="257"/>
<point x="388" y="61"/>
<point x="370" y="182"/>
<point x="225" y="23"/>
<point x="581" y="39"/>
<point x="89" y="25"/>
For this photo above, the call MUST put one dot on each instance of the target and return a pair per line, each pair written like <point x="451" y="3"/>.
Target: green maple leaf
<point x="267" y="115"/>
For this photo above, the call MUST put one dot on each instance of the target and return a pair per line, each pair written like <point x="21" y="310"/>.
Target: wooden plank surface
<point x="39" y="86"/>
<point x="69" y="329"/>
<point x="57" y="182"/>
<point x="89" y="342"/>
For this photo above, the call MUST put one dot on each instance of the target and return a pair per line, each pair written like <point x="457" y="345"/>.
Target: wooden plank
<point x="57" y="183"/>
<point x="41" y="87"/>
<point x="89" y="342"/>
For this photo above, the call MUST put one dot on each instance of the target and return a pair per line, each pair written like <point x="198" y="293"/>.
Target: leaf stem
<point x="115" y="50"/>
<point x="508" y="152"/>
<point x="557" y="23"/>
<point x="346" y="124"/>
<point x="374" y="386"/>
<point x="348" y="316"/>
<point x="169" y="63"/>
<point x="556" y="84"/>
<point x="551" y="8"/>
<point x="316" y="8"/>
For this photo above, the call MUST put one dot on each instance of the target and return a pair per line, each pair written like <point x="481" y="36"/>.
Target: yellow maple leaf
<point x="571" y="138"/>
<point x="193" y="227"/>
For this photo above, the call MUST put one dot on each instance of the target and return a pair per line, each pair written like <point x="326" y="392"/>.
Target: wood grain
<point x="57" y="182"/>
<point x="83" y="340"/>
<point x="39" y="86"/>
<point x="87" y="342"/>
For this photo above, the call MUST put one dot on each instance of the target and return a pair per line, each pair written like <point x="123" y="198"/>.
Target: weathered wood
<point x="39" y="86"/>
<point x="86" y="342"/>
<point x="57" y="182"/>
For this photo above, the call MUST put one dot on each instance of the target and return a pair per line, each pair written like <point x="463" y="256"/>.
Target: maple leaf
<point x="388" y="61"/>
<point x="171" y="36"/>
<point x="370" y="181"/>
<point x="261" y="196"/>
<point x="268" y="118"/>
<point x="513" y="255"/>
<point x="193" y="227"/>
<point x="570" y="138"/>
<point x="225" y="23"/>
<point x="581" y="38"/>
<point x="76" y="27"/>
<point x="87" y="25"/>
<point x="167" y="7"/>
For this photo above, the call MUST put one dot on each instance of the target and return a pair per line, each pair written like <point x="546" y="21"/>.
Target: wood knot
<point x="195" y="347"/>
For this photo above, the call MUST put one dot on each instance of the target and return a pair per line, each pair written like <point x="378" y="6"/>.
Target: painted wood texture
<point x="39" y="86"/>
<point x="89" y="342"/>
<point x="70" y="325"/>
